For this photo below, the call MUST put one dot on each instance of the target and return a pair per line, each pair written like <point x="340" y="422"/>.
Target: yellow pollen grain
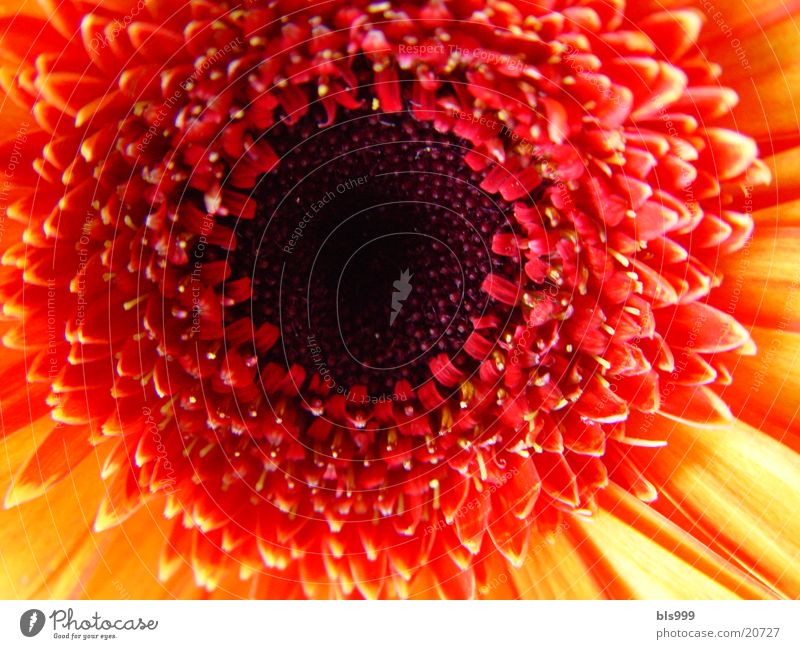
<point x="452" y="64"/>
<point x="132" y="303"/>
<point x="622" y="259"/>
<point x="482" y="467"/>
<point x="605" y="168"/>
<point x="531" y="22"/>
<point x="446" y="419"/>
<point x="617" y="159"/>
<point x="602" y="361"/>
<point x="434" y="484"/>
<point x="603" y="381"/>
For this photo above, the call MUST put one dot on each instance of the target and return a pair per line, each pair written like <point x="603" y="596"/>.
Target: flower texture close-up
<point x="404" y="299"/>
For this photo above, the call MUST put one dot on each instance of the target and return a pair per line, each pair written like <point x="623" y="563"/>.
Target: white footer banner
<point x="400" y="625"/>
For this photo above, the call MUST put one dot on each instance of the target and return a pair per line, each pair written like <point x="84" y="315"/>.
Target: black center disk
<point x="369" y="247"/>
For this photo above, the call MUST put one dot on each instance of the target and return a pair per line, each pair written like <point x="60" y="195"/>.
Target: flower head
<point x="369" y="296"/>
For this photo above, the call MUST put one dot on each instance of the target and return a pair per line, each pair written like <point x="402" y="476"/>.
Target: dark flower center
<point x="369" y="247"/>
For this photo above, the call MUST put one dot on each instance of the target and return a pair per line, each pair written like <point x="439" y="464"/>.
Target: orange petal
<point x="741" y="488"/>
<point x="556" y="568"/>
<point x="763" y="392"/>
<point x="651" y="571"/>
<point x="58" y="455"/>
<point x="40" y="538"/>
<point x="697" y="405"/>
<point x="765" y="73"/>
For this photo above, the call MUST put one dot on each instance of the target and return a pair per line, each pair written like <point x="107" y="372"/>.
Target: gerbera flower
<point x="399" y="299"/>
